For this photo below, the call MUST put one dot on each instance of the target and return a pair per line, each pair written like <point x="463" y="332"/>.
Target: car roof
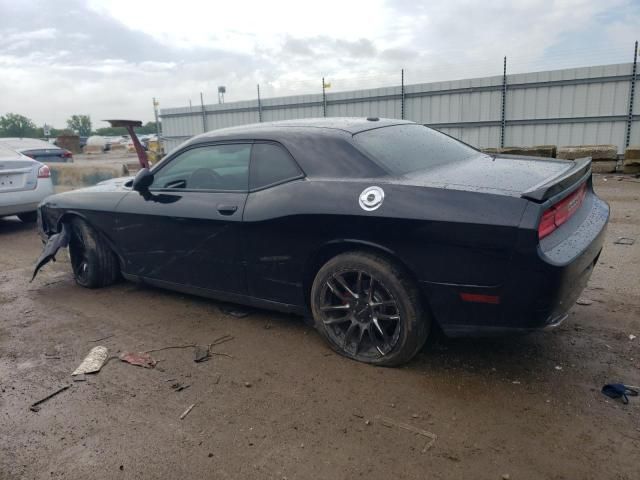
<point x="322" y="147"/>
<point x="20" y="144"/>
<point x="350" y="125"/>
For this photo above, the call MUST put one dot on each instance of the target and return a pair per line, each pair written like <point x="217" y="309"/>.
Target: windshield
<point x="406" y="148"/>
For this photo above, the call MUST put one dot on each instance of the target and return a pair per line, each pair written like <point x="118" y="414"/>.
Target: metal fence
<point x="578" y="106"/>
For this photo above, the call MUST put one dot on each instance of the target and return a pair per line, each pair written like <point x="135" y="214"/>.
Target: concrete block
<point x="632" y="156"/>
<point x="490" y="151"/>
<point x="535" y="151"/>
<point x="604" y="166"/>
<point x="631" y="168"/>
<point x="596" y="152"/>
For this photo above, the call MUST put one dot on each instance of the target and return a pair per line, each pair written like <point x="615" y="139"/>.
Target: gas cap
<point x="371" y="198"/>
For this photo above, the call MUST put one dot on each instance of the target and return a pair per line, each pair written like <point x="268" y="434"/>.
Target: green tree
<point x="16" y="125"/>
<point x="147" y="128"/>
<point x="81" y="124"/>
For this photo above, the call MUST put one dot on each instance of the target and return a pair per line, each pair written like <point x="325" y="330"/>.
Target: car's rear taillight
<point x="67" y="154"/>
<point x="562" y="211"/>
<point x="44" y="172"/>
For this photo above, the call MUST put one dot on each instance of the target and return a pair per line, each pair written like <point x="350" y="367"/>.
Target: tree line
<point x="16" y="125"/>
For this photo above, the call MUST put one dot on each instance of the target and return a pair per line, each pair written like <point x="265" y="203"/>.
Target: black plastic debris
<point x="55" y="243"/>
<point x="619" y="390"/>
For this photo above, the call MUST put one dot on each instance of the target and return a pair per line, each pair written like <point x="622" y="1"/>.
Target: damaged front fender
<point x="55" y="243"/>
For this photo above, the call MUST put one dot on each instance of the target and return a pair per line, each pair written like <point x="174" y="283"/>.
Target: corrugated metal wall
<point x="561" y="107"/>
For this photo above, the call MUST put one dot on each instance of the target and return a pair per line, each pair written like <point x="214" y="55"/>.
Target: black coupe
<point x="380" y="229"/>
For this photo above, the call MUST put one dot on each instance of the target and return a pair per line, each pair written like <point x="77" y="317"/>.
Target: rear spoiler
<point x="547" y="189"/>
<point x="129" y="124"/>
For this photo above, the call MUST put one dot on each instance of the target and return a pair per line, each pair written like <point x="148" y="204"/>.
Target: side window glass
<point x="271" y="164"/>
<point x="212" y="167"/>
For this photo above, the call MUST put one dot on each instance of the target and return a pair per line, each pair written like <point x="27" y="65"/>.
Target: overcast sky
<point x="108" y="58"/>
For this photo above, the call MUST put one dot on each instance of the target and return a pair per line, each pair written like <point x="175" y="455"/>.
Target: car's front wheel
<point x="369" y="309"/>
<point x="93" y="262"/>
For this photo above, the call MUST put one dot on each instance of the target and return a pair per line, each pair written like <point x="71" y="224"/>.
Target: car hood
<point x="115" y="182"/>
<point x="502" y="175"/>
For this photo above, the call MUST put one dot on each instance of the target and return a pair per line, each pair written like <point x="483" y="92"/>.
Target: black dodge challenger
<point x="378" y="228"/>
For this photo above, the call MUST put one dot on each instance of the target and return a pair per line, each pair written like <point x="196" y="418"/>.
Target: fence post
<point x="634" y="77"/>
<point x="503" y="120"/>
<point x="402" y="94"/>
<point x="324" y="100"/>
<point x="259" y="106"/>
<point x="204" y="115"/>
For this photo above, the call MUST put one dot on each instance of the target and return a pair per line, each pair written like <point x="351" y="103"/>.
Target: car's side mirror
<point x="143" y="180"/>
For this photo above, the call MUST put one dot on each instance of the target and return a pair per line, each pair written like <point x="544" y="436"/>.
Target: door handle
<point x="227" y="209"/>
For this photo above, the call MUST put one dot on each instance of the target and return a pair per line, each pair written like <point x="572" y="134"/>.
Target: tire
<point x="385" y="325"/>
<point x="93" y="262"/>
<point x="28" y="217"/>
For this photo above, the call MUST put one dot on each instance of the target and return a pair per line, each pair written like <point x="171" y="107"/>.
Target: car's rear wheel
<point x="28" y="217"/>
<point x="93" y="262"/>
<point x="369" y="309"/>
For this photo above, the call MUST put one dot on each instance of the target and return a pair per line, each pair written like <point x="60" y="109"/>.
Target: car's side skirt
<point x="218" y="295"/>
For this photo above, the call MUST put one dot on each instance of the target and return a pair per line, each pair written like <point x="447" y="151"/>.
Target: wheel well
<point x="331" y="250"/>
<point x="68" y="216"/>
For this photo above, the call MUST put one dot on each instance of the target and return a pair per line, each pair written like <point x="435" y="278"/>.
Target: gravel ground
<point x="277" y="403"/>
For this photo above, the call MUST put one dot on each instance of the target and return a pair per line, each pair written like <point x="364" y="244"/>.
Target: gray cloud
<point x="60" y="58"/>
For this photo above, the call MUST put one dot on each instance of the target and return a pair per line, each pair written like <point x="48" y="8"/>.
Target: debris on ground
<point x="625" y="241"/>
<point x="102" y="338"/>
<point x="632" y="336"/>
<point x="387" y="422"/>
<point x="234" y="311"/>
<point x="201" y="354"/>
<point x="186" y="412"/>
<point x="93" y="362"/>
<point x="35" y="407"/>
<point x="619" y="390"/>
<point x="584" y="301"/>
<point x="178" y="387"/>
<point x="140" y="359"/>
<point x="558" y="367"/>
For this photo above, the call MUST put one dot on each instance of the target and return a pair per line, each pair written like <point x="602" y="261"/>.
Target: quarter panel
<point x="441" y="236"/>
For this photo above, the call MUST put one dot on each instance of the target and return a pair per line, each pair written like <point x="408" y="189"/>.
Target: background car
<point x="377" y="228"/>
<point x="37" y="149"/>
<point x="24" y="183"/>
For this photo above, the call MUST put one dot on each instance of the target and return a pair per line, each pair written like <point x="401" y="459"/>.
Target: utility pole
<point x="155" y="112"/>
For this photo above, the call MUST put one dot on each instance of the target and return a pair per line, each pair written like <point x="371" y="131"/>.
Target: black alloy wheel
<point x="368" y="309"/>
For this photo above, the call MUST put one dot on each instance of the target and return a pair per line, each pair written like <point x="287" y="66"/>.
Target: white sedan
<point x="24" y="183"/>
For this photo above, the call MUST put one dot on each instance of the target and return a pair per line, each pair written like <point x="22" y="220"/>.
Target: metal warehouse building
<point x="577" y="106"/>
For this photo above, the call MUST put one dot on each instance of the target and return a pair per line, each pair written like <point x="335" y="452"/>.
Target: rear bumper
<point x="543" y="284"/>
<point x="12" y="203"/>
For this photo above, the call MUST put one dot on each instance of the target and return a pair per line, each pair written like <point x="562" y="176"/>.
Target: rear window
<point x="407" y="148"/>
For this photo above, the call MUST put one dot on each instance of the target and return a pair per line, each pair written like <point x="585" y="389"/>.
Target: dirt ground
<point x="282" y="405"/>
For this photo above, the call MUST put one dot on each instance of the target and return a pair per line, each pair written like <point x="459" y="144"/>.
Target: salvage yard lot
<point x="279" y="404"/>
